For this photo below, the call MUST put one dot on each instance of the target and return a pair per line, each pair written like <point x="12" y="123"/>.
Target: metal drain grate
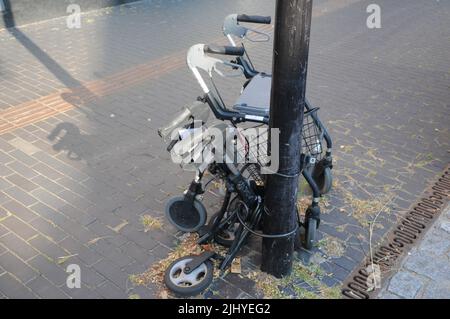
<point x="400" y="240"/>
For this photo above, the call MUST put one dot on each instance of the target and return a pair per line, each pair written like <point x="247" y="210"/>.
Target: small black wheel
<point x="184" y="215"/>
<point x="310" y="233"/>
<point x="324" y="180"/>
<point x="190" y="284"/>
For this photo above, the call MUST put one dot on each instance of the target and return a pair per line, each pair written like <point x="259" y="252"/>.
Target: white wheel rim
<point x="183" y="280"/>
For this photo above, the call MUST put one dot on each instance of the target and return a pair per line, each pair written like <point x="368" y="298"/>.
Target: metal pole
<point x="291" y="47"/>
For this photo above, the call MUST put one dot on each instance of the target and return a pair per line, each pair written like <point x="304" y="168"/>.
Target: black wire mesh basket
<point x="252" y="143"/>
<point x="312" y="136"/>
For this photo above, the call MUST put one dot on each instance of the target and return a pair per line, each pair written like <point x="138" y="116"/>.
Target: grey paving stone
<point x="3" y="213"/>
<point x="110" y="291"/>
<point x="45" y="289"/>
<point x="49" y="270"/>
<point x="3" y="230"/>
<point x="4" y="183"/>
<point x="24" y="158"/>
<point x="48" y="229"/>
<point x="18" y="246"/>
<point x="84" y="292"/>
<point x="21" y="196"/>
<point x="13" y="289"/>
<point x="15" y="266"/>
<point x="24" y="146"/>
<point x="22" y="182"/>
<point x="437" y="290"/>
<point x="420" y="263"/>
<point x="5" y="158"/>
<point x="4" y="146"/>
<point x="388" y="295"/>
<point x="19" y="227"/>
<point x="436" y="242"/>
<point x="47" y="184"/>
<point x="22" y="169"/>
<point x="112" y="273"/>
<point x="445" y="225"/>
<point x="46" y="171"/>
<point x="48" y="198"/>
<point x="47" y="247"/>
<point x="19" y="210"/>
<point x="405" y="284"/>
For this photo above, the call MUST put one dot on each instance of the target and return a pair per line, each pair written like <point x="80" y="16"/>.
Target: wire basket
<point x="312" y="136"/>
<point x="252" y="143"/>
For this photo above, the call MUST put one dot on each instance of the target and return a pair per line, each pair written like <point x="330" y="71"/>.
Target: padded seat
<point x="255" y="98"/>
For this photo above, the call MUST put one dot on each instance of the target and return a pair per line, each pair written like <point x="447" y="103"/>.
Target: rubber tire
<point x="324" y="181"/>
<point x="310" y="233"/>
<point x="199" y="208"/>
<point x="190" y="290"/>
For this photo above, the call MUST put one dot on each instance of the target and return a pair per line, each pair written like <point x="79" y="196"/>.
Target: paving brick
<point x="49" y="270"/>
<point x="405" y="285"/>
<point x="3" y="250"/>
<point x="4" y="198"/>
<point x="4" y="183"/>
<point x="18" y="268"/>
<point x="419" y="262"/>
<point x="48" y="229"/>
<point x="4" y="146"/>
<point x="46" y="171"/>
<point x="5" y="171"/>
<point x="110" y="291"/>
<point x="88" y="255"/>
<point x="22" y="169"/>
<point x="112" y="253"/>
<point x="19" y="227"/>
<point x="60" y="166"/>
<point x="5" y="158"/>
<point x="47" y="184"/>
<point x="438" y="290"/>
<point x="84" y="292"/>
<point x="3" y="231"/>
<point x="13" y="289"/>
<point x="22" y="182"/>
<point x="4" y="213"/>
<point x="48" y="198"/>
<point x="18" y="246"/>
<point x="141" y="255"/>
<point x="45" y="289"/>
<point x="24" y="146"/>
<point x="112" y="273"/>
<point x="19" y="210"/>
<point x="22" y="157"/>
<point x="21" y="196"/>
<point x="47" y="247"/>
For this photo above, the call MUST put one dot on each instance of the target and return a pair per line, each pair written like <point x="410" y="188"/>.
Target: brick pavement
<point x="80" y="171"/>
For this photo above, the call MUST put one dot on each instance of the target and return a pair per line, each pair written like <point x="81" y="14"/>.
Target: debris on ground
<point x="150" y="223"/>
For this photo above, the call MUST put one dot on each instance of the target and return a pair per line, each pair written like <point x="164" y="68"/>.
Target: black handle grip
<point x="224" y="50"/>
<point x="171" y="145"/>
<point x="254" y="19"/>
